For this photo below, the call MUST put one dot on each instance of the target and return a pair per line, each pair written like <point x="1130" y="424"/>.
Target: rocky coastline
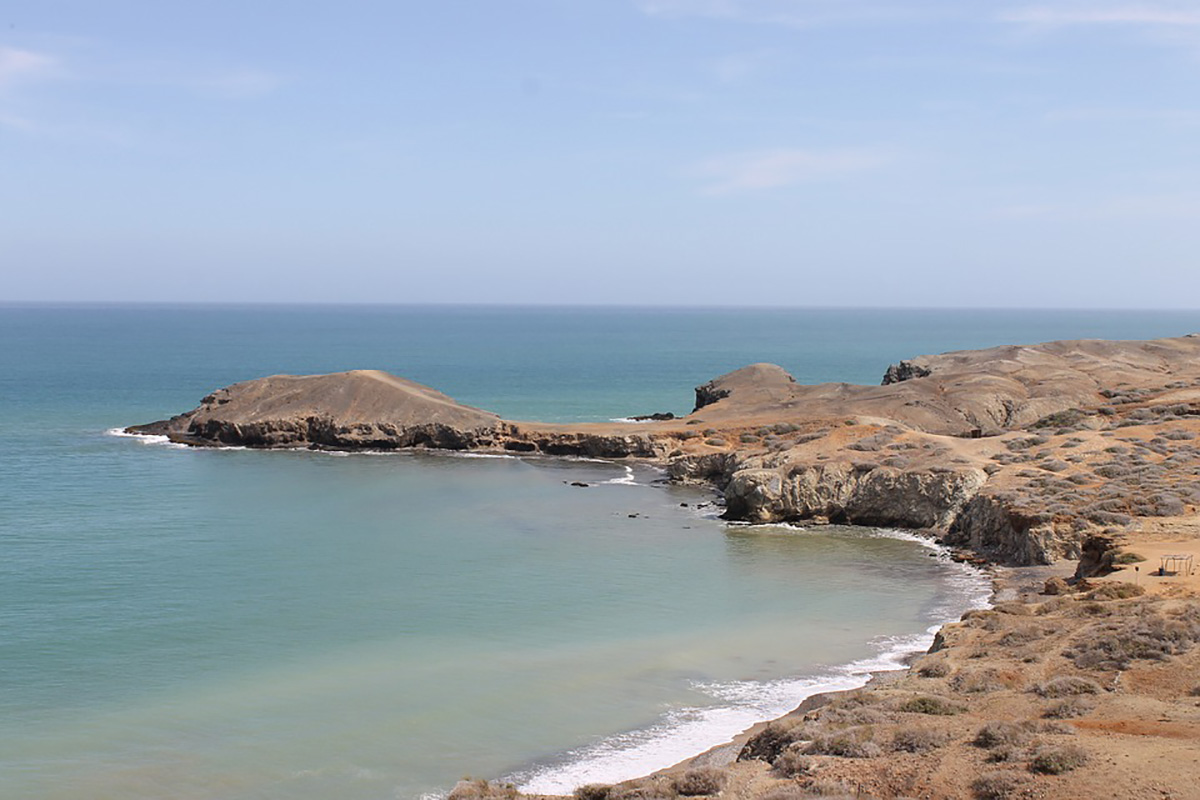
<point x="1064" y="456"/>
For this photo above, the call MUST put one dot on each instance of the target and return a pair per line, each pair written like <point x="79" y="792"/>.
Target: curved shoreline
<point x="577" y="767"/>
<point x="1015" y="455"/>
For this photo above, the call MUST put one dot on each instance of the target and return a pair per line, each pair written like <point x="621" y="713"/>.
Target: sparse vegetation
<point x="997" y="785"/>
<point x="1003" y="734"/>
<point x="1069" y="708"/>
<point x="918" y="740"/>
<point x="699" y="781"/>
<point x="792" y="763"/>
<point x="593" y="791"/>
<point x="1147" y="636"/>
<point x="1115" y="591"/>
<point x="930" y="705"/>
<point x="1067" y="686"/>
<point x="934" y="669"/>
<point x="1057" y="759"/>
<point x="847" y="743"/>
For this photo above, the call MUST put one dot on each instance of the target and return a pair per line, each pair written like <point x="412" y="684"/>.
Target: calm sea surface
<point x="240" y="624"/>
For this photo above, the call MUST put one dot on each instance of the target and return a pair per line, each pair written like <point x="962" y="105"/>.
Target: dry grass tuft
<point x="700" y="781"/>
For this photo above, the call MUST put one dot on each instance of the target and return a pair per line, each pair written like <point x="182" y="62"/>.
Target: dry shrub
<point x="1003" y="734"/>
<point x="1067" y="686"/>
<point x="792" y="763"/>
<point x="930" y="705"/>
<point x="934" y="669"/>
<point x="791" y="792"/>
<point x="848" y="743"/>
<point x="855" y="715"/>
<point x="593" y="791"/>
<point x="1055" y="605"/>
<point x="1057" y="759"/>
<point x="1020" y="636"/>
<point x="648" y="789"/>
<point x="1129" y="557"/>
<point x="1115" y="591"/>
<point x="997" y="785"/>
<point x="1069" y="708"/>
<point x="468" y="789"/>
<point x="976" y="682"/>
<point x="771" y="741"/>
<point x="831" y="789"/>
<point x="1148" y="636"/>
<point x="918" y="739"/>
<point x="700" y="781"/>
<point x="1013" y="608"/>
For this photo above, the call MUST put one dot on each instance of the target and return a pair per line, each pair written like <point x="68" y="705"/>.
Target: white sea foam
<point x="628" y="479"/>
<point x="684" y="733"/>
<point x="145" y="438"/>
<point x="632" y="420"/>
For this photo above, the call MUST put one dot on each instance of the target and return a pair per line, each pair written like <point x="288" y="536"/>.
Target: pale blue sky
<point x="777" y="152"/>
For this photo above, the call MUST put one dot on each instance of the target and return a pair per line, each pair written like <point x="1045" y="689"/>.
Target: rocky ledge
<point x="1018" y="453"/>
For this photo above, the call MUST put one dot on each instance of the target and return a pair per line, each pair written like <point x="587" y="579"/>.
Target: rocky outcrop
<point x="1040" y="480"/>
<point x="904" y="371"/>
<point x="1097" y="557"/>
<point x="993" y="527"/>
<point x="855" y="494"/>
<point x="747" y="386"/>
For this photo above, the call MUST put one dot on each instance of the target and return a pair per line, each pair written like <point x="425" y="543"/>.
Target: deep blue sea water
<point x="240" y="624"/>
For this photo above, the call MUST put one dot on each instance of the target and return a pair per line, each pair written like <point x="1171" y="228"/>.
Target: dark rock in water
<point x="579" y="483"/>
<point x="683" y="505"/>
<point x="904" y="371"/>
<point x="661" y="416"/>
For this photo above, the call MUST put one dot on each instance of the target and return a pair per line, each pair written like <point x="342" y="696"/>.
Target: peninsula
<point x="1078" y="683"/>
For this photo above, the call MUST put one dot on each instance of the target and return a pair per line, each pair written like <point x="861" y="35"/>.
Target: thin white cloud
<point x="16" y="65"/>
<point x="1092" y="13"/>
<point x="772" y="169"/>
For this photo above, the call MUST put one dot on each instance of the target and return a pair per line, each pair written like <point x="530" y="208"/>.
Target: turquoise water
<point x="240" y="624"/>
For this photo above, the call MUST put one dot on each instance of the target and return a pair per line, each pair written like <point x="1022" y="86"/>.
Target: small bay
<point x="244" y="624"/>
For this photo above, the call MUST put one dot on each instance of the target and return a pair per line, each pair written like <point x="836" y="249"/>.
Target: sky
<point x="907" y="153"/>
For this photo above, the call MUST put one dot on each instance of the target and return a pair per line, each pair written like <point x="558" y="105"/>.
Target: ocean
<point x="246" y="624"/>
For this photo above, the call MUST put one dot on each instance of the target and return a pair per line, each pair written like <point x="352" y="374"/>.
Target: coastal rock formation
<point x="856" y="494"/>
<point x="904" y="371"/>
<point x="361" y="409"/>
<point x="1018" y="453"/>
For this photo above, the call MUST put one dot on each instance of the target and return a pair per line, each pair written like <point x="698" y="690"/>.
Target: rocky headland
<point x="1072" y="463"/>
<point x="1017" y="454"/>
